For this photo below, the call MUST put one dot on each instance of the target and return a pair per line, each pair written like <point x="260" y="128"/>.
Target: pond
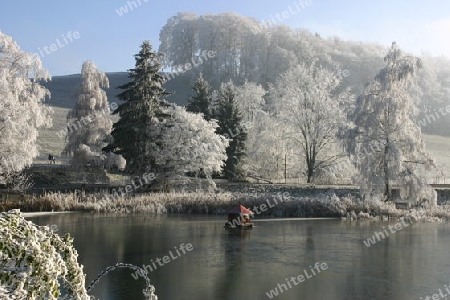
<point x="194" y="257"/>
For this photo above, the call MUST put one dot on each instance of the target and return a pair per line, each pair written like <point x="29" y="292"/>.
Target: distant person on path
<point x="51" y="159"/>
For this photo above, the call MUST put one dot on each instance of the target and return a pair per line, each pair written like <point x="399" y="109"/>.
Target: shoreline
<point x="295" y="219"/>
<point x="44" y="213"/>
<point x="269" y="205"/>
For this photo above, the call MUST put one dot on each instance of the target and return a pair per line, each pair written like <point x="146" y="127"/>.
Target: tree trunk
<point x="387" y="191"/>
<point x="310" y="172"/>
<point x="310" y="162"/>
<point x="387" y="187"/>
<point x="308" y="179"/>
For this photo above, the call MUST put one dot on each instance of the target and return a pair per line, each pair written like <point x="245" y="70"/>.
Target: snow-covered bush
<point x="113" y="160"/>
<point x="36" y="263"/>
<point x="19" y="181"/>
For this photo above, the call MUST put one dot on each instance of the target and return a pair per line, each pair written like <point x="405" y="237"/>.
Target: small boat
<point x="239" y="218"/>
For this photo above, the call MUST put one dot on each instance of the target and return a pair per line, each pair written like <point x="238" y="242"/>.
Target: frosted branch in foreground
<point x="36" y="263"/>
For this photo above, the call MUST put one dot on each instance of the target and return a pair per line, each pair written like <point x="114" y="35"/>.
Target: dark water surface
<point x="411" y="263"/>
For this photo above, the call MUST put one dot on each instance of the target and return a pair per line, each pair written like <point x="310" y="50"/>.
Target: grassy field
<point x="48" y="141"/>
<point x="439" y="147"/>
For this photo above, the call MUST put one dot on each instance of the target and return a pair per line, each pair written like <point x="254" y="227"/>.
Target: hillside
<point x="62" y="88"/>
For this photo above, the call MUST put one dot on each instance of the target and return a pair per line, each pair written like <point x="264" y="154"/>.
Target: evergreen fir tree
<point x="229" y="118"/>
<point x="201" y="102"/>
<point x="136" y="133"/>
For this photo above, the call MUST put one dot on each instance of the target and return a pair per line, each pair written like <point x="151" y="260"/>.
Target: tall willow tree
<point x="385" y="142"/>
<point x="89" y="123"/>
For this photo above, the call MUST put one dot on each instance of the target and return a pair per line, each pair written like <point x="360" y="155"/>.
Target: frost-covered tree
<point x="134" y="133"/>
<point x="22" y="110"/>
<point x="201" y="101"/>
<point x="268" y="153"/>
<point x="41" y="264"/>
<point x="255" y="121"/>
<point x="229" y="118"/>
<point x="89" y="123"/>
<point x="190" y="144"/>
<point x="245" y="48"/>
<point x="385" y="143"/>
<point x="180" y="32"/>
<point x="186" y="35"/>
<point x="36" y="263"/>
<point x="114" y="161"/>
<point x="250" y="100"/>
<point x="303" y="102"/>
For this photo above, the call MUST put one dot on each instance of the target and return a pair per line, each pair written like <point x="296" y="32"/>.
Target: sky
<point x="94" y="30"/>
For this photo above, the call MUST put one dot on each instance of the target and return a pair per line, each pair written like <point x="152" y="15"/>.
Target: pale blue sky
<point x="111" y="40"/>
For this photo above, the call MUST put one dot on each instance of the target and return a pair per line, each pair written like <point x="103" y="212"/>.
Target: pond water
<point x="411" y="263"/>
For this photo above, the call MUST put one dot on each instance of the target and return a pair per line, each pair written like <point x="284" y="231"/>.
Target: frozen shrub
<point x="35" y="262"/>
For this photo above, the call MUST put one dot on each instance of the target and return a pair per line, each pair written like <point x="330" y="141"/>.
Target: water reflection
<point x="236" y="250"/>
<point x="246" y="264"/>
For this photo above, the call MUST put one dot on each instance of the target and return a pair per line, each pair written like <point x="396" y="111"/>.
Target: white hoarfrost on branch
<point x="190" y="144"/>
<point x="40" y="262"/>
<point x="250" y="101"/>
<point x="384" y="141"/>
<point x="22" y="110"/>
<point x="268" y="150"/>
<point x="310" y="114"/>
<point x="36" y="263"/>
<point x="86" y="143"/>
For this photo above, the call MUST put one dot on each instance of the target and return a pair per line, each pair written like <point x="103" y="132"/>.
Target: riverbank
<point x="45" y="213"/>
<point x="265" y="205"/>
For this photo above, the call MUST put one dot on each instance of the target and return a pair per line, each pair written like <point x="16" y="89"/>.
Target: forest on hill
<point x="247" y="50"/>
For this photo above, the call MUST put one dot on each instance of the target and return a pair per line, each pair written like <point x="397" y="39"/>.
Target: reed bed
<point x="322" y="205"/>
